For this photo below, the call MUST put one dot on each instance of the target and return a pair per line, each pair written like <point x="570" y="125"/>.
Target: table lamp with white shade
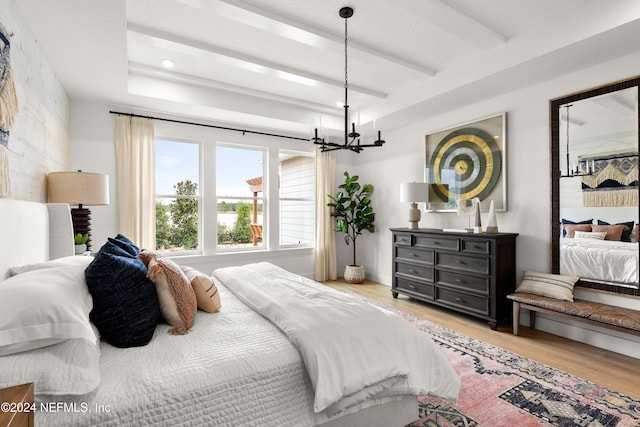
<point x="79" y="189"/>
<point x="414" y="192"/>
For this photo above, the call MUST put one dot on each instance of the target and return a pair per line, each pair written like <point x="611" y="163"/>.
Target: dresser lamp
<point x="414" y="192"/>
<point x="79" y="189"/>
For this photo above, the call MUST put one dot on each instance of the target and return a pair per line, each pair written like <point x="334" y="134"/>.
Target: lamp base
<point x="81" y="218"/>
<point x="414" y="216"/>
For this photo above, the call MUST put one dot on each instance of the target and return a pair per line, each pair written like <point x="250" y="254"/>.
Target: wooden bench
<point x="603" y="315"/>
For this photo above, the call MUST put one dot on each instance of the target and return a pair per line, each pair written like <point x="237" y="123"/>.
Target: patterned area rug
<point x="500" y="388"/>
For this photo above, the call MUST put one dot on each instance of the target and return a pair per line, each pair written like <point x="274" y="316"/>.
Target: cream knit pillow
<point x="206" y="291"/>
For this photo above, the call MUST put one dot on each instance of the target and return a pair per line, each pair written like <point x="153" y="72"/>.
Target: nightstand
<point x="18" y="398"/>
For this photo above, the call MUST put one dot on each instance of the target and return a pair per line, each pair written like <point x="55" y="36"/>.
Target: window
<point x="240" y="197"/>
<point x="297" y="198"/>
<point x="177" y="196"/>
<point x="222" y="197"/>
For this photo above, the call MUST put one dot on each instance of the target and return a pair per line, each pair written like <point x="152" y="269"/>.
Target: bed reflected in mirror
<point x="595" y="187"/>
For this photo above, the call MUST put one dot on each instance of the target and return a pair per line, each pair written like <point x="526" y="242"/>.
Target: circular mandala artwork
<point x="465" y="164"/>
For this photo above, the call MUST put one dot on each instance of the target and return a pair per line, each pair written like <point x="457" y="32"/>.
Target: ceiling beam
<point x="162" y="74"/>
<point x="455" y="22"/>
<point x="217" y="50"/>
<point x="295" y="30"/>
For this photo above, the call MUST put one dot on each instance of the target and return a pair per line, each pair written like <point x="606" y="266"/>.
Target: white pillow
<point x="69" y="260"/>
<point x="43" y="307"/>
<point x="593" y="235"/>
<point x="69" y="368"/>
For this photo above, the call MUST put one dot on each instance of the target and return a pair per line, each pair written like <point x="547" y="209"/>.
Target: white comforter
<point x="351" y="349"/>
<point x="604" y="260"/>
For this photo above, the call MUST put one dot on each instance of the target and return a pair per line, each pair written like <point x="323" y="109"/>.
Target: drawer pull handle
<point x="461" y="262"/>
<point x="459" y="299"/>
<point x="412" y="287"/>
<point x="412" y="271"/>
<point x="413" y="255"/>
<point x="460" y="281"/>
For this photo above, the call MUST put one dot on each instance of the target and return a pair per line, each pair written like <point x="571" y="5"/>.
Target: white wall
<point x="39" y="141"/>
<point x="528" y="184"/>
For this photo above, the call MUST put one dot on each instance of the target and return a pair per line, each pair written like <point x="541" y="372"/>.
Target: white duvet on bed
<point x="233" y="368"/>
<point x="356" y="351"/>
<point x="234" y="364"/>
<point x="605" y="260"/>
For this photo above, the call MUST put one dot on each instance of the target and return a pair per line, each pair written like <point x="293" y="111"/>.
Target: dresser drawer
<point x="437" y="242"/>
<point x="415" y="287"/>
<point x="417" y="272"/>
<point x="463" y="300"/>
<point x="414" y="255"/>
<point x="463" y="263"/>
<point x="476" y="246"/>
<point x="402" y="239"/>
<point x="477" y="284"/>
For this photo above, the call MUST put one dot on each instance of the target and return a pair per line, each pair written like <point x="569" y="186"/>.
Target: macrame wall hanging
<point x="614" y="181"/>
<point x="8" y="108"/>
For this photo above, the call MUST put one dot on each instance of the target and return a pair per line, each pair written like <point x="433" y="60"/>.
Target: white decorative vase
<point x="80" y="249"/>
<point x="354" y="274"/>
<point x="492" y="222"/>
<point x="478" y="227"/>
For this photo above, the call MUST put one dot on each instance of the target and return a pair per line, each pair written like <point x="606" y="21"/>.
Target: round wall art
<point x="474" y="157"/>
<point x="466" y="162"/>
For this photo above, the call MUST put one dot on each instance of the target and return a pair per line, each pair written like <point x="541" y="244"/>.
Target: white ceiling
<point x="279" y="64"/>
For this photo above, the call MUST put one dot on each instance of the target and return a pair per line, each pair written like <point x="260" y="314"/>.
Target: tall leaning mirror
<point x="595" y="138"/>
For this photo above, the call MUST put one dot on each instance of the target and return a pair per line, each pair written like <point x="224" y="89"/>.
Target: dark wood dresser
<point x="466" y="272"/>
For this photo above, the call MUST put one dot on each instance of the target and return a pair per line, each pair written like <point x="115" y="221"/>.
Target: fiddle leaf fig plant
<point x="352" y="210"/>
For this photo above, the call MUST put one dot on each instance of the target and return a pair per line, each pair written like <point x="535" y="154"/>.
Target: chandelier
<point x="351" y="138"/>
<point x="579" y="169"/>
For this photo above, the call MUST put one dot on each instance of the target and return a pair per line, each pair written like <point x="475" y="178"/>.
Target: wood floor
<point x="613" y="370"/>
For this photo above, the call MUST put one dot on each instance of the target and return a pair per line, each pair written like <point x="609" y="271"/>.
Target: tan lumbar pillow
<point x="177" y="299"/>
<point x="206" y="292"/>
<point x="556" y="286"/>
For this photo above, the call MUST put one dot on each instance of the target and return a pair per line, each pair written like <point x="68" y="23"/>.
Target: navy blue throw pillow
<point x="125" y="302"/>
<point x="566" y="221"/>
<point x="626" y="234"/>
<point x="126" y="244"/>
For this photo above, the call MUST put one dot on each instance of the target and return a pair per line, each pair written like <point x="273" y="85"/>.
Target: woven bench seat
<point x="607" y="316"/>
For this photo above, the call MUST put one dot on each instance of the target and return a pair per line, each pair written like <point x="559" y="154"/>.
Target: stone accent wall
<point x="39" y="141"/>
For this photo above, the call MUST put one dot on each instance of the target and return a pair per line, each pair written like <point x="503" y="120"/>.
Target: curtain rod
<point x="209" y="126"/>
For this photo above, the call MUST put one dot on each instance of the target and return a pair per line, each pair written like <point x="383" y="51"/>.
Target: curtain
<point x="325" y="260"/>
<point x="135" y="162"/>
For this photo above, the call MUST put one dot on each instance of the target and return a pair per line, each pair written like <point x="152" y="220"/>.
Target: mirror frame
<point x="554" y="119"/>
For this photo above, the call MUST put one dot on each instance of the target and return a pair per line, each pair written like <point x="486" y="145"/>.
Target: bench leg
<point x="532" y="319"/>
<point x="516" y="317"/>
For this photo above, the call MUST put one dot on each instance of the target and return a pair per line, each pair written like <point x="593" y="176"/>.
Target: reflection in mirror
<point x="595" y="211"/>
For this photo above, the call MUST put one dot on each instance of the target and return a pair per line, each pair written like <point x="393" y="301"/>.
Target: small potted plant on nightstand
<point x="354" y="214"/>
<point x="81" y="243"/>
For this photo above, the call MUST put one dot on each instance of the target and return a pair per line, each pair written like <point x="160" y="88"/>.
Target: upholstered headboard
<point x="33" y="232"/>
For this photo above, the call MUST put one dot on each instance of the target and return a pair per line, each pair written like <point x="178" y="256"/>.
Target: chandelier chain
<point x="346" y="57"/>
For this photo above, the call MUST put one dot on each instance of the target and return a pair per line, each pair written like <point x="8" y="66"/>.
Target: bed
<point x="234" y="367"/>
<point x="601" y="260"/>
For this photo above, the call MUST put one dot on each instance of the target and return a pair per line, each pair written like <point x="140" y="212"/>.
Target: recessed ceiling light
<point x="168" y="63"/>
